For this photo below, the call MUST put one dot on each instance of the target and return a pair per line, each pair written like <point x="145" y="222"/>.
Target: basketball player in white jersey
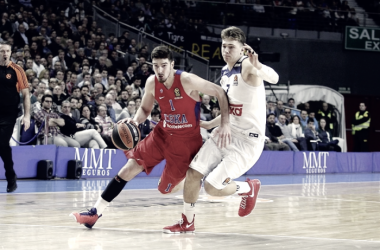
<point x="242" y="79"/>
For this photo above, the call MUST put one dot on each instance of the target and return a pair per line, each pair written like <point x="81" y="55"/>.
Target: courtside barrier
<point x="106" y="163"/>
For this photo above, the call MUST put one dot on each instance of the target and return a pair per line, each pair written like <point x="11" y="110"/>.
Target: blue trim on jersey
<point x="178" y="72"/>
<point x="236" y="69"/>
<point x="197" y="112"/>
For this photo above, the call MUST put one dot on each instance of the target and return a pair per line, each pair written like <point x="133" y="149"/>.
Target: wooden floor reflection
<point x="312" y="215"/>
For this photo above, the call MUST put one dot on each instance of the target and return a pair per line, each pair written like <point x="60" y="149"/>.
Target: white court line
<point x="197" y="232"/>
<point x="270" y="185"/>
<point x="320" y="198"/>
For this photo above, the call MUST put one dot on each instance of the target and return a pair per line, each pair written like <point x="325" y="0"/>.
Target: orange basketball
<point x="125" y="136"/>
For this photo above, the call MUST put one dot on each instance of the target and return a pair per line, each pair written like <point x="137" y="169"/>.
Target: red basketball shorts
<point x="178" y="152"/>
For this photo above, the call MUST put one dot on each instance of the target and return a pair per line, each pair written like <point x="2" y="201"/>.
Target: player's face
<point x="231" y="50"/>
<point x="162" y="69"/>
<point x="5" y="53"/>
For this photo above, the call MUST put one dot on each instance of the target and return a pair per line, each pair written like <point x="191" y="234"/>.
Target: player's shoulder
<point x="150" y="81"/>
<point x="16" y="67"/>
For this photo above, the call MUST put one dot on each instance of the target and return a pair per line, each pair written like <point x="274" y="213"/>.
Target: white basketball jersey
<point x="247" y="103"/>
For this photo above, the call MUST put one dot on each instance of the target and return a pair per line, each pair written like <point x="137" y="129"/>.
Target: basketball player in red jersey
<point x="242" y="79"/>
<point x="176" y="137"/>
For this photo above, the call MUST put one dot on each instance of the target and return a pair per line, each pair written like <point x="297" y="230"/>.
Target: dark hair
<point x="74" y="88"/>
<point x="45" y="96"/>
<point x="155" y="112"/>
<point x="294" y="116"/>
<point x="72" y="97"/>
<point x="270" y="115"/>
<point x="98" y="96"/>
<point x="162" y="52"/>
<point x="310" y="120"/>
<point x="290" y="99"/>
<point x="84" y="86"/>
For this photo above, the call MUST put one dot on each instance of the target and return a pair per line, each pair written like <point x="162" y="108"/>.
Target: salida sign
<point x="362" y="38"/>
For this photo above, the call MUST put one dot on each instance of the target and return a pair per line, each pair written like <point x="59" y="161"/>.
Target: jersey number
<point x="171" y="105"/>
<point x="228" y="88"/>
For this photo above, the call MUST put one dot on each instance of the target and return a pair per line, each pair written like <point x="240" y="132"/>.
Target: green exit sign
<point x="362" y="38"/>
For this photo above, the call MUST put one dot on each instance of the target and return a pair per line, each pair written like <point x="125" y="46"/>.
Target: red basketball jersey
<point x="180" y="114"/>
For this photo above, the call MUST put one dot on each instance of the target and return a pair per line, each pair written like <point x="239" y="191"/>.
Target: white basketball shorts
<point x="221" y="166"/>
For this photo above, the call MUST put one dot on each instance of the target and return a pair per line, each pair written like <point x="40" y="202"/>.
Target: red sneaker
<point x="182" y="226"/>
<point x="248" y="200"/>
<point x="88" y="218"/>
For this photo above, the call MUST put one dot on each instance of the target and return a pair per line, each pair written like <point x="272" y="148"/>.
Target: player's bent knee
<point x="130" y="170"/>
<point x="210" y="189"/>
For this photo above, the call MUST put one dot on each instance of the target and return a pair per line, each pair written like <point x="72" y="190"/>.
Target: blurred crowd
<point x="302" y="128"/>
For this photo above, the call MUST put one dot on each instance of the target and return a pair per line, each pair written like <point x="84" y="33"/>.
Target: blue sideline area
<point x="105" y="163"/>
<point x="98" y="184"/>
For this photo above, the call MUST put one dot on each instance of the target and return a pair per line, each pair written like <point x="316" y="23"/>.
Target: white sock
<point x="100" y="205"/>
<point x="189" y="211"/>
<point x="242" y="187"/>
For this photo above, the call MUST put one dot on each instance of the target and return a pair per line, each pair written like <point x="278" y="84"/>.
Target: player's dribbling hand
<point x="223" y="136"/>
<point x="128" y="120"/>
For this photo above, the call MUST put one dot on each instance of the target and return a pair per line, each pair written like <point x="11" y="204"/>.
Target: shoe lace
<point x="243" y="203"/>
<point x="179" y="222"/>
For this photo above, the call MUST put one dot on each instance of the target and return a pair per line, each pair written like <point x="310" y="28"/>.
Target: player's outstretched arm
<point x="255" y="69"/>
<point x="211" y="124"/>
<point x="195" y="82"/>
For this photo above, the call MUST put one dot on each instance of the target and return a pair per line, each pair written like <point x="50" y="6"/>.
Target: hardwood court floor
<point x="293" y="212"/>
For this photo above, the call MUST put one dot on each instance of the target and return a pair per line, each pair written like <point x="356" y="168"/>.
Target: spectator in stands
<point x="58" y="97"/>
<point x="280" y="109"/>
<point x="93" y="105"/>
<point x="136" y="86"/>
<point x="37" y="66"/>
<point x="291" y="104"/>
<point x="108" y="102"/>
<point x="86" y="78"/>
<point x="44" y="77"/>
<point x="304" y="119"/>
<point x="273" y="134"/>
<point x="105" y="79"/>
<point x="85" y="70"/>
<point x="111" y="100"/>
<point x="326" y="143"/>
<point x="20" y="38"/>
<point x="311" y="136"/>
<point x="60" y="58"/>
<point x="124" y="99"/>
<point x="270" y="108"/>
<point x="206" y="108"/>
<point x="54" y="121"/>
<point x="71" y="83"/>
<point x="74" y="101"/>
<point x="88" y="120"/>
<point x="329" y="116"/>
<point x="75" y="130"/>
<point x="286" y="131"/>
<point x="106" y="123"/>
<point x="129" y="76"/>
<point x="129" y="111"/>
<point x="296" y="133"/>
<point x="312" y="116"/>
<point x="85" y="93"/>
